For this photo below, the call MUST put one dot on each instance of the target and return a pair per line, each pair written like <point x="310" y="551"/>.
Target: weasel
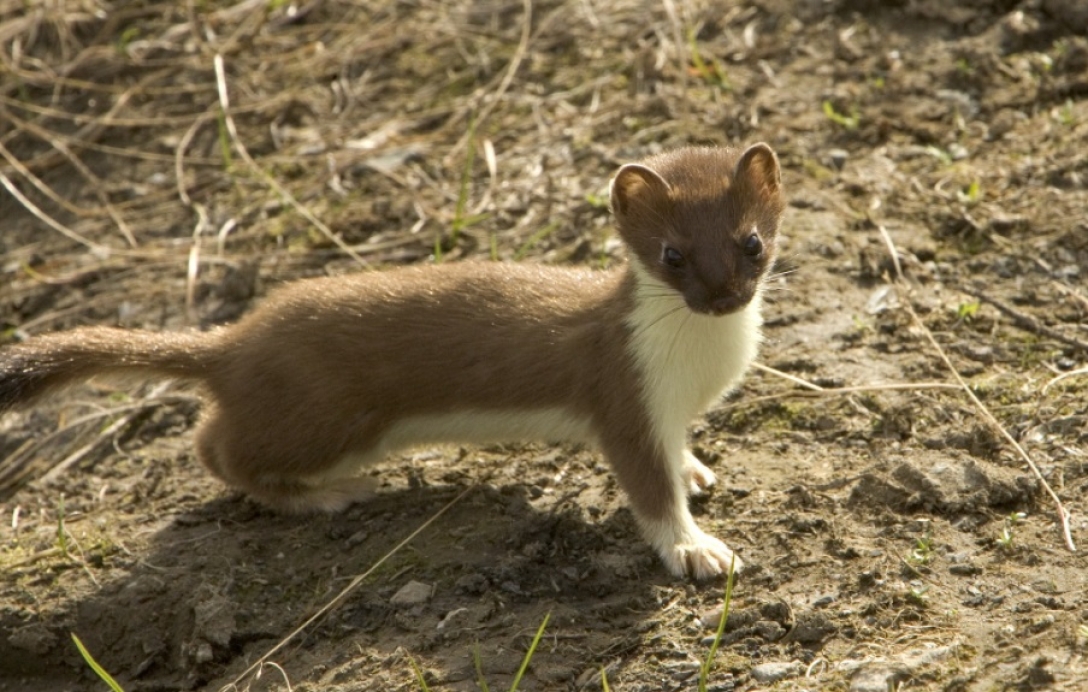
<point x="330" y="374"/>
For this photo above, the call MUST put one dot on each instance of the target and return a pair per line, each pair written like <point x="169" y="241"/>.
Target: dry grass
<point x="137" y="90"/>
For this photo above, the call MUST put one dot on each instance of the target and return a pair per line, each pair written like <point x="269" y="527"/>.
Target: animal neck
<point x="685" y="359"/>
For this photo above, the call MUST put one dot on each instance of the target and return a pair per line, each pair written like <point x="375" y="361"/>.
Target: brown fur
<point x="323" y="369"/>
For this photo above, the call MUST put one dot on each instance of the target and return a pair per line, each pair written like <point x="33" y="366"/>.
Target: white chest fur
<point x="687" y="360"/>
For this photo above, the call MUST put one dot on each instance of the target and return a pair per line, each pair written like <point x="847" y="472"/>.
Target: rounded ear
<point x="635" y="182"/>
<point x="758" y="168"/>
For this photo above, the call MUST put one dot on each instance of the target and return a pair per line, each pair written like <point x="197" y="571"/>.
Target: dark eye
<point x="672" y="257"/>
<point x="753" y="246"/>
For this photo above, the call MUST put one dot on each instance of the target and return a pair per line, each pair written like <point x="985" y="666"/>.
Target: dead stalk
<point x="224" y="103"/>
<point x="340" y="597"/>
<point x="898" y="280"/>
<point x="507" y="79"/>
<point x="49" y="220"/>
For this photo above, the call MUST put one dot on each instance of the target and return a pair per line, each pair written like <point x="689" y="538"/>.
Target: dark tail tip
<point x="18" y="385"/>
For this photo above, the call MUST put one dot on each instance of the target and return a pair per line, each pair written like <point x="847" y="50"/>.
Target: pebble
<point x="881" y="675"/>
<point x="979" y="352"/>
<point x="767" y="673"/>
<point x="412" y="593"/>
<point x="877" y="679"/>
<point x="722" y="683"/>
<point x="202" y="652"/>
<point x="682" y="670"/>
<point x="838" y="157"/>
<point x="823" y="600"/>
<point x="356" y="538"/>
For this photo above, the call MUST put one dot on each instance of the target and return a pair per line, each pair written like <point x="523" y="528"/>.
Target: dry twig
<point x="340" y="597"/>
<point x="224" y="103"/>
<point x="49" y="220"/>
<point x="507" y="79"/>
<point x="1063" y="514"/>
<point x="1024" y="320"/>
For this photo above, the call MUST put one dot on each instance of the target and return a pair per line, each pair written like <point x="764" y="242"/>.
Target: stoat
<point x="328" y="375"/>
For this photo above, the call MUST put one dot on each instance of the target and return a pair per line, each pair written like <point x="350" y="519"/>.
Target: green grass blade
<point x="419" y="675"/>
<point x="704" y="671"/>
<point x="99" y="670"/>
<point x="480" y="679"/>
<point x="604" y="681"/>
<point x="530" y="652"/>
<point x="459" y="221"/>
<point x="534" y="239"/>
<point x="438" y="247"/>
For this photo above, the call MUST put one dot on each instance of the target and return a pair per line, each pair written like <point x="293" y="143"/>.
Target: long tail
<point x="38" y="365"/>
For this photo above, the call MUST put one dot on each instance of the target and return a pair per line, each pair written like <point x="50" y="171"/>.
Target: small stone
<point x="769" y="630"/>
<point x="877" y="679"/>
<point x="1009" y="224"/>
<point x="356" y="538"/>
<point x="838" y="157"/>
<point x="965" y="570"/>
<point x="880" y="675"/>
<point x="202" y="652"/>
<point x="722" y="683"/>
<point x="1044" y="586"/>
<point x="915" y="660"/>
<point x="812" y="628"/>
<point x="823" y="600"/>
<point x="511" y="587"/>
<point x="767" y="673"/>
<point x="682" y="670"/>
<point x="980" y="353"/>
<point x="412" y="593"/>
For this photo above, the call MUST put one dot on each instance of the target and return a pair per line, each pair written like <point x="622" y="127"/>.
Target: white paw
<point x="687" y="550"/>
<point x="701" y="556"/>
<point x="698" y="477"/>
<point x="325" y="495"/>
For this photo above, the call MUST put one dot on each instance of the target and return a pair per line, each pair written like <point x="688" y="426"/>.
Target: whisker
<point x="676" y="337"/>
<point x="673" y="311"/>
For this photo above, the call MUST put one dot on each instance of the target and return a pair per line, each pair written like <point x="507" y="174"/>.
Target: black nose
<point x="727" y="304"/>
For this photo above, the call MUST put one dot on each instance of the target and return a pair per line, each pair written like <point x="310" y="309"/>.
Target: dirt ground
<point x="895" y="539"/>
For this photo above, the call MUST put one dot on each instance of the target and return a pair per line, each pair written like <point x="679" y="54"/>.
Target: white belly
<point x="481" y="427"/>
<point x="464" y="427"/>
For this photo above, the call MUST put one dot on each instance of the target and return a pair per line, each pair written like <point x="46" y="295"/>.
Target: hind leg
<point x="207" y="435"/>
<point x="266" y="475"/>
<point x="300" y="497"/>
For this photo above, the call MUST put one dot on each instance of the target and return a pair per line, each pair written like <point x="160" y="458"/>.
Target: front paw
<point x="700" y="556"/>
<point x="699" y="478"/>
